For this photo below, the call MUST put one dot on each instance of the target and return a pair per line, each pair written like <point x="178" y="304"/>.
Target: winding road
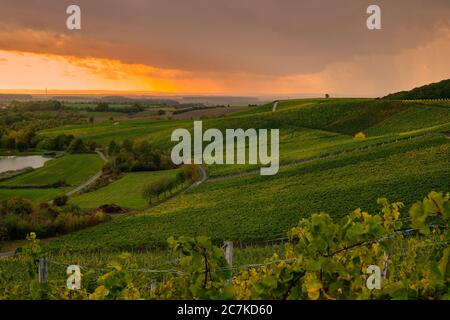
<point x="203" y="177"/>
<point x="275" y="105"/>
<point x="6" y="254"/>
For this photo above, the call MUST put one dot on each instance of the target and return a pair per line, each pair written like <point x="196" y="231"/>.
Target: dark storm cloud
<point x="249" y="36"/>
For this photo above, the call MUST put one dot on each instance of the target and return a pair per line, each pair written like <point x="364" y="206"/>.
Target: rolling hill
<point x="439" y="90"/>
<point x="324" y="168"/>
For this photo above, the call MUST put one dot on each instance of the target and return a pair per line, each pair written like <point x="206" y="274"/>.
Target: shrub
<point x="61" y="201"/>
<point x="136" y="156"/>
<point x="16" y="206"/>
<point x="92" y="145"/>
<point x="113" y="148"/>
<point x="102" y="107"/>
<point x="77" y="146"/>
<point x="158" y="188"/>
<point x="19" y="218"/>
<point x="59" y="184"/>
<point x="189" y="172"/>
<point x="111" y="208"/>
<point x="360" y="136"/>
<point x="58" y="143"/>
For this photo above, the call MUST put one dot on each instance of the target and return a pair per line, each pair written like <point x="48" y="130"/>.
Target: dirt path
<point x="91" y="180"/>
<point x="203" y="177"/>
<point x="275" y="105"/>
<point x="6" y="254"/>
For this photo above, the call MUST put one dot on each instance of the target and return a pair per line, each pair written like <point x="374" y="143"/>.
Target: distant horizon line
<point x="172" y="94"/>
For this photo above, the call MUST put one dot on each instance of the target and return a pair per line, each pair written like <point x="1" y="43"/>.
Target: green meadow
<point x="73" y="169"/>
<point x="36" y="195"/>
<point x="125" y="192"/>
<point x="156" y="131"/>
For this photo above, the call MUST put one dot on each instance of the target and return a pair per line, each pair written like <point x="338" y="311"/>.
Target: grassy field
<point x="36" y="195"/>
<point x="74" y="169"/>
<point x="93" y="105"/>
<point x="125" y="192"/>
<point x="156" y="132"/>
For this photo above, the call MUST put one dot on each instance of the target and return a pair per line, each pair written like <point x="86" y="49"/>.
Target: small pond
<point x="13" y="163"/>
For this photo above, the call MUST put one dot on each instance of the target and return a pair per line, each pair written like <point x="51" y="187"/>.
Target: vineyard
<point x="335" y="155"/>
<point x="322" y="259"/>
<point x="224" y="159"/>
<point x="260" y="208"/>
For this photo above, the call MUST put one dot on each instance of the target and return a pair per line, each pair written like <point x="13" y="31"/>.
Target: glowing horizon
<point x="254" y="56"/>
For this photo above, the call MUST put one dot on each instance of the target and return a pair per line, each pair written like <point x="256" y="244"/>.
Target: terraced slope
<point x="404" y="156"/>
<point x="254" y="207"/>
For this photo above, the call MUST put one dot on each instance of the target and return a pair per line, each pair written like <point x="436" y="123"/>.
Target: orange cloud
<point x="38" y="71"/>
<point x="363" y="75"/>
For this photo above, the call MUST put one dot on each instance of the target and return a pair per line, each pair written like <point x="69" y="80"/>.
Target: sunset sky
<point x="233" y="47"/>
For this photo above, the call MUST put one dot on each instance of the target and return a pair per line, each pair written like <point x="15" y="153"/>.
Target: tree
<point x="16" y="205"/>
<point x="60" y="201"/>
<point x="46" y="144"/>
<point x="156" y="189"/>
<point x="149" y="192"/>
<point x="92" y="145"/>
<point x="9" y="140"/>
<point x="102" y="107"/>
<point x="77" y="146"/>
<point x="127" y="145"/>
<point x="180" y="178"/>
<point x="327" y="96"/>
<point x="63" y="141"/>
<point x="113" y="148"/>
<point x="136" y="107"/>
<point x="59" y="143"/>
<point x="189" y="172"/>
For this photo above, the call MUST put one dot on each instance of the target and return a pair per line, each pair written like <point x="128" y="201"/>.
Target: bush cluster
<point x="19" y="217"/>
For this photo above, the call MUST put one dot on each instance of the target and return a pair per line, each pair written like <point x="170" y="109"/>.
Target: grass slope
<point x="74" y="169"/>
<point x="35" y="195"/>
<point x="439" y="90"/>
<point x="125" y="192"/>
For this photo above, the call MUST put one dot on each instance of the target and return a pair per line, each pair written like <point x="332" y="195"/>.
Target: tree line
<point x="167" y="186"/>
<point x="131" y="156"/>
